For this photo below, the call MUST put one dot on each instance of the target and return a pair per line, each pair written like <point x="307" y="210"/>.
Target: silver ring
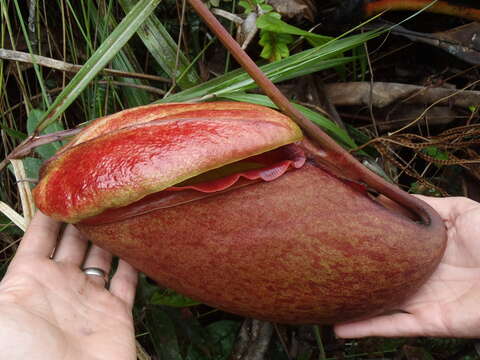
<point x="96" y="272"/>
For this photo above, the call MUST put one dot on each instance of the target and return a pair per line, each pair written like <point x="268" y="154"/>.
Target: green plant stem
<point x="30" y="49"/>
<point x="4" y="14"/>
<point x="318" y="339"/>
<point x="227" y="58"/>
<point x="200" y="53"/>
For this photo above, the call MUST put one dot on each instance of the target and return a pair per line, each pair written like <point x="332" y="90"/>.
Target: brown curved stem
<point x="441" y="7"/>
<point x="29" y="144"/>
<point x="332" y="155"/>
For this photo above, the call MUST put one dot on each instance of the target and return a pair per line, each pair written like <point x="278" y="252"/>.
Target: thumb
<point x="449" y="207"/>
<point x="395" y="325"/>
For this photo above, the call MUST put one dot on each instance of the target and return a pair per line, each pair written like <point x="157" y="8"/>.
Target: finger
<point x="396" y="325"/>
<point x="72" y="247"/>
<point x="124" y="283"/>
<point x="41" y="236"/>
<point x="449" y="207"/>
<point x="98" y="258"/>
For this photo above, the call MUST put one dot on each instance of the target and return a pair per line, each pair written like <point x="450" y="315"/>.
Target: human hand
<point x="50" y="309"/>
<point x="447" y="304"/>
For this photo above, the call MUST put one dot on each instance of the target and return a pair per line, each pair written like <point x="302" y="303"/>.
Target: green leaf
<point x="247" y="8"/>
<point x="189" y="327"/>
<point x="104" y="54"/>
<point x="171" y="298"/>
<point x="266" y="8"/>
<point x="275" y="46"/>
<point x="32" y="167"/>
<point x="162" y="333"/>
<point x="220" y="337"/>
<point x="13" y="133"/>
<point x="164" y="49"/>
<point x="436" y="153"/>
<point x="303" y="63"/>
<point x="418" y="187"/>
<point x="223" y="334"/>
<point x="48" y="150"/>
<point x="276" y="25"/>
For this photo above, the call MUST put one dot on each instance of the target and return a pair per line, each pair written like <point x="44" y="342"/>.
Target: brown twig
<point x="150" y="89"/>
<point x="20" y="56"/>
<point x="253" y="340"/>
<point x="455" y="142"/>
<point x="29" y="144"/>
<point x="141" y="352"/>
<point x="435" y="103"/>
<point x="440" y="7"/>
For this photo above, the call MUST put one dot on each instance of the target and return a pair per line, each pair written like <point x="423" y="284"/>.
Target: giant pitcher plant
<point x="231" y="204"/>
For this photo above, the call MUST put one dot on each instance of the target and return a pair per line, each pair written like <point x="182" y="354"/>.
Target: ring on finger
<point x="95" y="271"/>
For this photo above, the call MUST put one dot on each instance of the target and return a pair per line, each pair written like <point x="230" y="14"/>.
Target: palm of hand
<point x="50" y="308"/>
<point x="446" y="305"/>
<point x="454" y="288"/>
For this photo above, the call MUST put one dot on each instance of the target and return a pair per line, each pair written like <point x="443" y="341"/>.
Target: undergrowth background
<point x="425" y="141"/>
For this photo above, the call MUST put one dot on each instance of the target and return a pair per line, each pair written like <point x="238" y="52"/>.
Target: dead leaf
<point x="462" y="42"/>
<point x="384" y="94"/>
<point x="295" y="8"/>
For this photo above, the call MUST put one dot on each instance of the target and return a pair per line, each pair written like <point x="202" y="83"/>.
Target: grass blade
<point x="303" y="63"/>
<point x="164" y="49"/>
<point x="107" y="50"/>
<point x="125" y="60"/>
<point x="11" y="214"/>
<point x="276" y="25"/>
<point x="41" y="80"/>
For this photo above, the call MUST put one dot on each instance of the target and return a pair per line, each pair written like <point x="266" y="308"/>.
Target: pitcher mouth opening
<point x="264" y="167"/>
